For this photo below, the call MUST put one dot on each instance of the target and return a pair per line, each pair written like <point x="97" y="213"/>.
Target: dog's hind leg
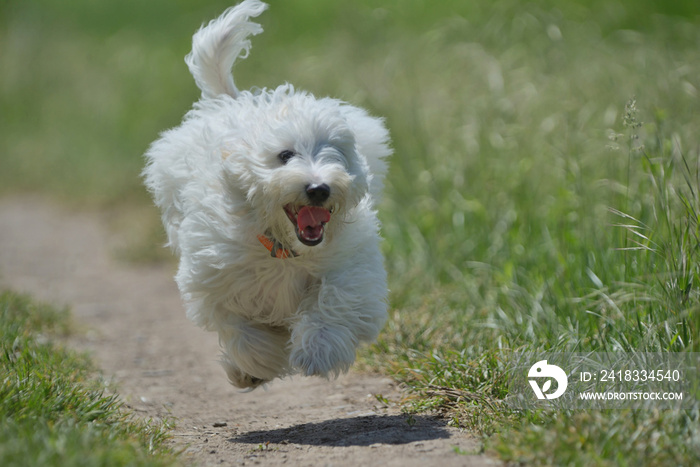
<point x="253" y="353"/>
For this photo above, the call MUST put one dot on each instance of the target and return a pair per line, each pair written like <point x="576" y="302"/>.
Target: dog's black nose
<point x="318" y="193"/>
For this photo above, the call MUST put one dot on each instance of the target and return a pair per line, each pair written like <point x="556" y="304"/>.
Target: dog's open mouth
<point x="309" y="222"/>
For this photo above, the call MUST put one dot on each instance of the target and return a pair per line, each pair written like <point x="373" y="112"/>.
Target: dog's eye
<point x="285" y="155"/>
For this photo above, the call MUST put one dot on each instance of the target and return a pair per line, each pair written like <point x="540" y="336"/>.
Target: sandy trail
<point x="164" y="366"/>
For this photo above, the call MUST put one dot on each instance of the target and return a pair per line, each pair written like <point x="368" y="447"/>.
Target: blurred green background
<point x="543" y="192"/>
<point x="86" y="84"/>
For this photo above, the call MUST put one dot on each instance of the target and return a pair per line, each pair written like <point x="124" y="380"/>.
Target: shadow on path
<point x="357" y="431"/>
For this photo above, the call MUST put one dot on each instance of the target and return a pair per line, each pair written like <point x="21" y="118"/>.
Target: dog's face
<point x="297" y="165"/>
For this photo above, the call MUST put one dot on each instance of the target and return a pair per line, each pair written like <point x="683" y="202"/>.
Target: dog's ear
<point x="373" y="145"/>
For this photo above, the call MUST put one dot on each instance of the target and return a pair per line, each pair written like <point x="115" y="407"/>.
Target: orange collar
<point x="275" y="247"/>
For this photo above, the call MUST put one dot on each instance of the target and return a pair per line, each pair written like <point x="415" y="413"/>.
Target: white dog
<point x="268" y="197"/>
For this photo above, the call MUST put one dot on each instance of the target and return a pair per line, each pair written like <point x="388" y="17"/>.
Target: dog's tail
<point x="216" y="46"/>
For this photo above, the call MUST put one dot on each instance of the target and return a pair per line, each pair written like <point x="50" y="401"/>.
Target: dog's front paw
<point x="240" y="378"/>
<point x="322" y="351"/>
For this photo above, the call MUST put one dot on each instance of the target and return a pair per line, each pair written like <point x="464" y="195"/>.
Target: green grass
<point x="532" y="203"/>
<point x="51" y="410"/>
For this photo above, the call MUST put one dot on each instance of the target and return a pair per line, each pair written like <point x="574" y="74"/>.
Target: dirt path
<point x="164" y="366"/>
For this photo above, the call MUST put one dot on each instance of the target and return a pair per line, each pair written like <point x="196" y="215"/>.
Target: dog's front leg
<point x="344" y="309"/>
<point x="252" y="353"/>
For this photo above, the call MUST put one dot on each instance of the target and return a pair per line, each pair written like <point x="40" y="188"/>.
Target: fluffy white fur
<point x="244" y="164"/>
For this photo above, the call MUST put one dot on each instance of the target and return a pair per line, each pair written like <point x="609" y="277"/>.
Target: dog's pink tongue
<point x="310" y="220"/>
